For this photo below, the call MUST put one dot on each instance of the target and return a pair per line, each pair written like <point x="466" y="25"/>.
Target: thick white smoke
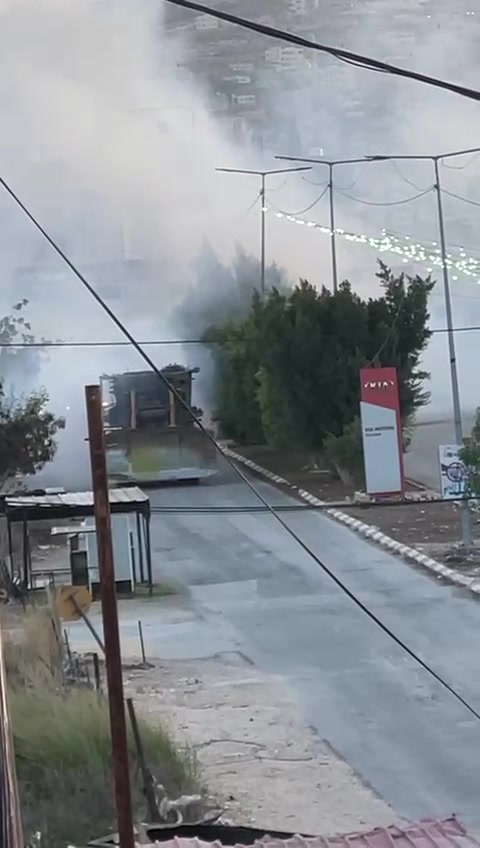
<point x="114" y="149"/>
<point x="116" y="156"/>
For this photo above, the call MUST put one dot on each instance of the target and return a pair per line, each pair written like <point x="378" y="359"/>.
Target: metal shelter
<point x="69" y="505"/>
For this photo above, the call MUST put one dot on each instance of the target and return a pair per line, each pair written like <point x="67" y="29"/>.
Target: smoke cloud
<point x="113" y="148"/>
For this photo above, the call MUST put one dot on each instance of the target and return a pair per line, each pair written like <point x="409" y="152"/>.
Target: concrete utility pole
<point x="333" y="234"/>
<point x="121" y="771"/>
<point x="263" y="208"/>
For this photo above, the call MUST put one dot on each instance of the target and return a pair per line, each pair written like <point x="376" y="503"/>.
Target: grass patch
<point x="63" y="749"/>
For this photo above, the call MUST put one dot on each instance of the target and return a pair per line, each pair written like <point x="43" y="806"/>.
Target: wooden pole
<point x="148" y="781"/>
<point x="142" y="643"/>
<point x="113" y="660"/>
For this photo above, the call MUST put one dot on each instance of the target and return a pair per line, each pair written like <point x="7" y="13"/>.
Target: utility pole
<point x="333" y="232"/>
<point x="263" y="208"/>
<point x="121" y="771"/>
<point x="457" y="410"/>
<point x="332" y="229"/>
<point x="263" y="204"/>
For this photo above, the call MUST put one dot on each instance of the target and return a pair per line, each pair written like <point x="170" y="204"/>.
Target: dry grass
<point x="33" y="651"/>
<point x="62" y="744"/>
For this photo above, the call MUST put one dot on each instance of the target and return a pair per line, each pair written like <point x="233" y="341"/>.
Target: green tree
<point x="399" y="333"/>
<point x="288" y="372"/>
<point x="27" y="428"/>
<point x="27" y="434"/>
<point x="18" y="363"/>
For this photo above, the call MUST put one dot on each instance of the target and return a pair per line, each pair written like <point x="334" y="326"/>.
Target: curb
<point x="368" y="531"/>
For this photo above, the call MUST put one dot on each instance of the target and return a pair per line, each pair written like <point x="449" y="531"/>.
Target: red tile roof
<point x="430" y="833"/>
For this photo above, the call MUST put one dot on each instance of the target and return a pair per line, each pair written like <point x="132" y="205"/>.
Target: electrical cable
<point x="459" y="197"/>
<point x="358" y="60"/>
<point x="293" y="535"/>
<point x="230" y="509"/>
<point x="400" y="173"/>
<point x="251" y="206"/>
<point x="149" y="343"/>
<point x="162" y="342"/>
<point x="344" y="188"/>
<point x="461" y="167"/>
<point x="455" y="330"/>
<point x="302" y="211"/>
<point x="312" y="182"/>
<point x="347" y="188"/>
<point x="385" y="203"/>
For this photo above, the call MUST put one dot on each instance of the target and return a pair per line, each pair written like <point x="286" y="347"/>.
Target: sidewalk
<point x="257" y="757"/>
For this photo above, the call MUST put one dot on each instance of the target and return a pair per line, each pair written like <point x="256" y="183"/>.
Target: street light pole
<point x="263" y="208"/>
<point x="333" y="232"/>
<point x="263" y="202"/>
<point x="457" y="410"/>
<point x="333" y="235"/>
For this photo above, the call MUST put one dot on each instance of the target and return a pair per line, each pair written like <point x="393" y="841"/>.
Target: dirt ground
<point x="266" y="769"/>
<point x="433" y="528"/>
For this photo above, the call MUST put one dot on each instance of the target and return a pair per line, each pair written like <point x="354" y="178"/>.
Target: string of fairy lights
<point x="404" y="246"/>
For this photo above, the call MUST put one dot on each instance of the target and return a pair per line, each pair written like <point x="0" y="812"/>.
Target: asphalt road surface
<point x="421" y="461"/>
<point x="265" y="597"/>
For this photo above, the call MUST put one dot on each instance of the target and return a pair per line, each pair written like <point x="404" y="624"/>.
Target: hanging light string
<point x="400" y="245"/>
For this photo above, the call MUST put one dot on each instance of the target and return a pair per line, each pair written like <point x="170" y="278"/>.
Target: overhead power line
<point x="459" y="197"/>
<point x="400" y="173"/>
<point x="462" y="167"/>
<point x="293" y="535"/>
<point x="148" y="343"/>
<point x="355" y="59"/>
<point x="162" y="342"/>
<point x="380" y="203"/>
<point x="302" y="211"/>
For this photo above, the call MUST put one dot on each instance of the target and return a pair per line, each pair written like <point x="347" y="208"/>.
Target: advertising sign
<point x="381" y="431"/>
<point x="453" y="473"/>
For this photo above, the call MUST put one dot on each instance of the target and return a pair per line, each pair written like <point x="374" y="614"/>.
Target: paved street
<point x="421" y="462"/>
<point x="255" y="591"/>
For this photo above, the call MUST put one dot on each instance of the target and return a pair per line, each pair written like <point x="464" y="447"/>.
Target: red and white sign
<point x="381" y="431"/>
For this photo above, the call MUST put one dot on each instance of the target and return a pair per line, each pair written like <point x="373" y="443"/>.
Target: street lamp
<point x="263" y="209"/>
<point x="457" y="411"/>
<point x="331" y="164"/>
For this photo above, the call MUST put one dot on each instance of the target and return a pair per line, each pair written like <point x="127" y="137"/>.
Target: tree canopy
<point x="287" y="373"/>
<point x="27" y="428"/>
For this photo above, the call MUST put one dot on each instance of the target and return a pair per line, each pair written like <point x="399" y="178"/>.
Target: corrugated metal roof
<point x="132" y="495"/>
<point x="430" y="833"/>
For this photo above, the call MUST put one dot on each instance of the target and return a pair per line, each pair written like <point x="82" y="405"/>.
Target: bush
<point x="344" y="454"/>
<point x="287" y="372"/>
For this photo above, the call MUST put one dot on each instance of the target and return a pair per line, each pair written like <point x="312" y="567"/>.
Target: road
<point x="421" y="462"/>
<point x="256" y="591"/>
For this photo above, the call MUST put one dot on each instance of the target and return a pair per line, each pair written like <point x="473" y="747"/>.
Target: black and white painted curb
<point x="367" y="530"/>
